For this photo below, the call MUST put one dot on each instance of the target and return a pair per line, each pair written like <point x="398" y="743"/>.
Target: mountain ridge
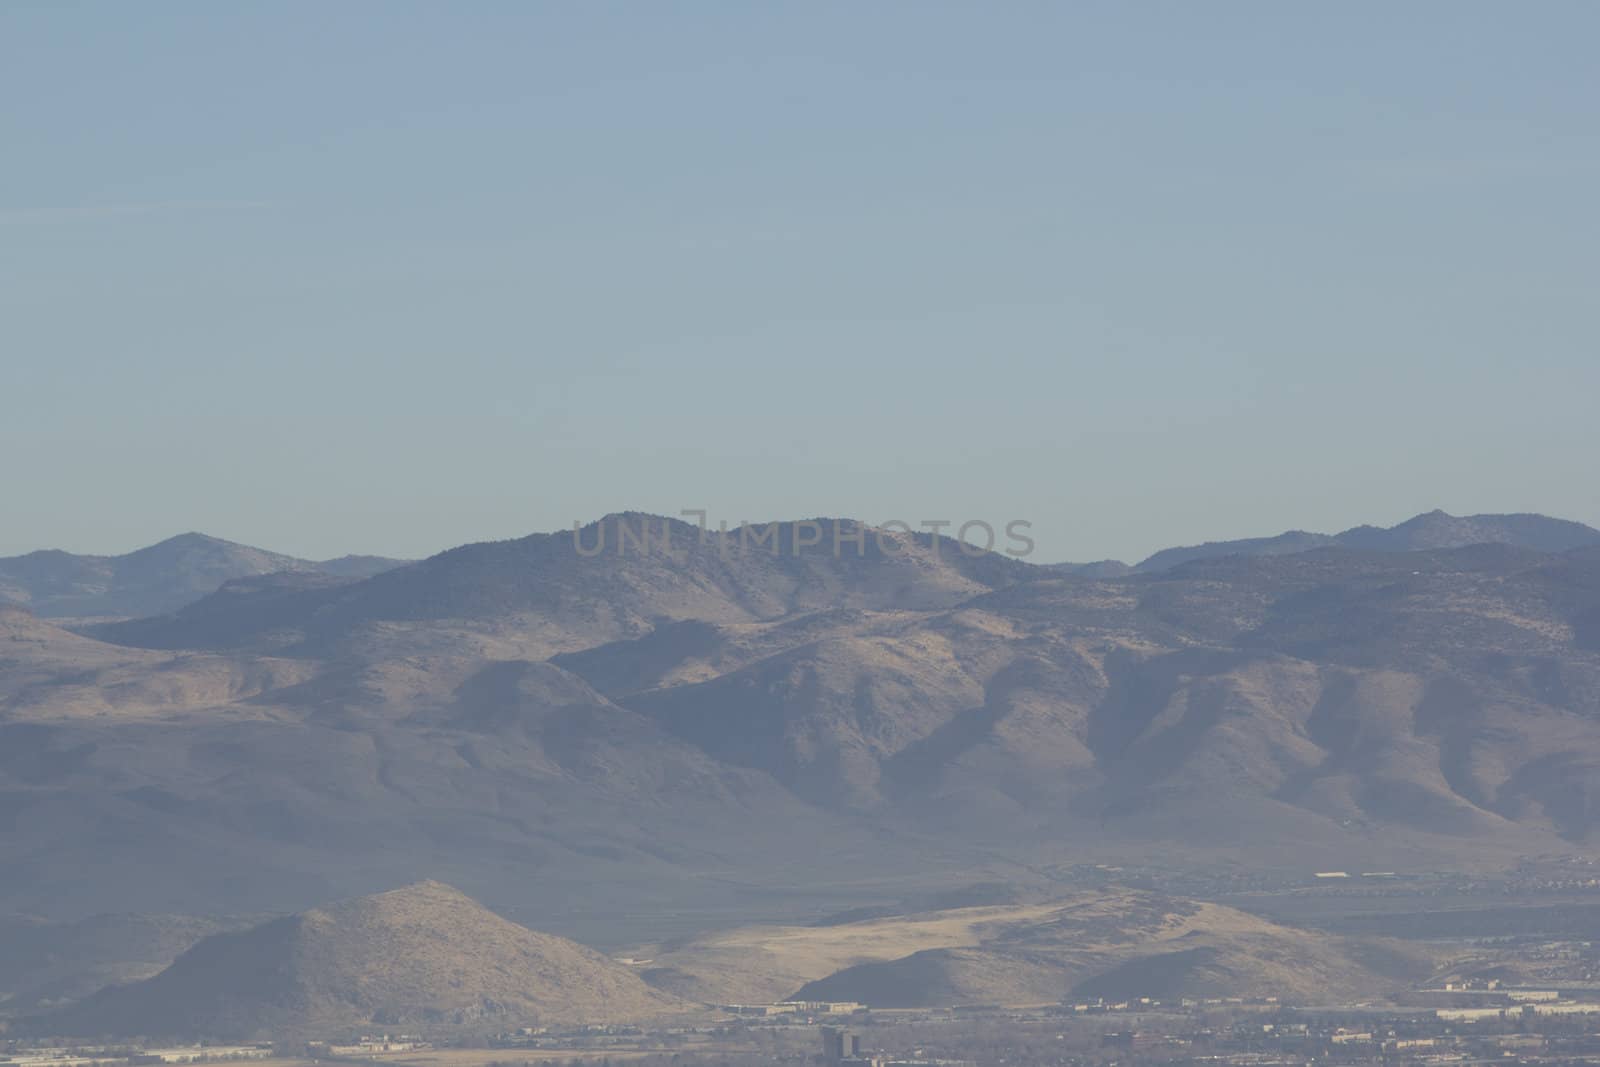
<point x="180" y="570"/>
<point x="152" y="580"/>
<point x="1433" y="529"/>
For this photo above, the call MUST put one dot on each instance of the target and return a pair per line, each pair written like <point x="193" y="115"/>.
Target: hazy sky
<point x="355" y="277"/>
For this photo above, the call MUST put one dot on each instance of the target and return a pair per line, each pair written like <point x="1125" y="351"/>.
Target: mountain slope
<point x="425" y="954"/>
<point x="1446" y="692"/>
<point x="153" y="580"/>
<point x="43" y="963"/>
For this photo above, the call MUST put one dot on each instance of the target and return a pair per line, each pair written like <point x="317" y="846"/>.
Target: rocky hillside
<point x="423" y="955"/>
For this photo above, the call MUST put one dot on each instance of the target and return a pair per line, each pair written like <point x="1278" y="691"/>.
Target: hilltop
<point x="425" y="954"/>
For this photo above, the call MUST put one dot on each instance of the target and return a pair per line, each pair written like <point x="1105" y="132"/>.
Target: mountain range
<point x="153" y="580"/>
<point x="180" y="570"/>
<point x="628" y="744"/>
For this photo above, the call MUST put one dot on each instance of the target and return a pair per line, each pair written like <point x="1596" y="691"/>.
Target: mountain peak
<point x="427" y="891"/>
<point x="153" y="580"/>
<point x="194" y="541"/>
<point x="195" y="537"/>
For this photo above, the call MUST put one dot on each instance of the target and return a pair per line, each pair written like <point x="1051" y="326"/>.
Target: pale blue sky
<point x="365" y="277"/>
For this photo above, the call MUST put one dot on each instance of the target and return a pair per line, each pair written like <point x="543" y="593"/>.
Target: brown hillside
<point x="426" y="954"/>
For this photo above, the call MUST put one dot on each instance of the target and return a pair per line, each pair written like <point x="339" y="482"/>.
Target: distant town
<point x="1467" y="1023"/>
